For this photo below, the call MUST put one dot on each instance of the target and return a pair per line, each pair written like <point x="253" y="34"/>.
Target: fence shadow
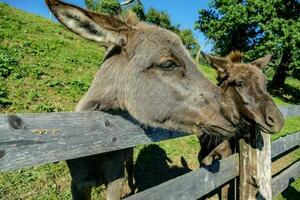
<point x="152" y="168"/>
<point x="288" y="93"/>
<point x="290" y="193"/>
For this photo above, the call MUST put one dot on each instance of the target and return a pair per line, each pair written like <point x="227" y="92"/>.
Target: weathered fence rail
<point x="285" y="178"/>
<point x="33" y="139"/>
<point x="195" y="184"/>
<point x="284" y="144"/>
<point x="290" y="111"/>
<point x="204" y="180"/>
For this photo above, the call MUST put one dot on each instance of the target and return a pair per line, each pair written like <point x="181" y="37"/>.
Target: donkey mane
<point x="235" y="56"/>
<point x="130" y="18"/>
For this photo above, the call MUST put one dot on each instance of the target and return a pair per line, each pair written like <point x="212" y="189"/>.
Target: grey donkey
<point x="149" y="74"/>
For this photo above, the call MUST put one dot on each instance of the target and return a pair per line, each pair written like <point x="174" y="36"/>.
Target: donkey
<point x="246" y="85"/>
<point x="148" y="73"/>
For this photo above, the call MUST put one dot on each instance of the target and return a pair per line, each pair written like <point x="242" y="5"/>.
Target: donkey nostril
<point x="270" y="121"/>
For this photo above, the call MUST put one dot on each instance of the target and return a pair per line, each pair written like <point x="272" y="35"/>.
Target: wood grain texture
<point x="285" y="178"/>
<point x="195" y="184"/>
<point x="284" y="144"/>
<point x="33" y="139"/>
<point x="255" y="167"/>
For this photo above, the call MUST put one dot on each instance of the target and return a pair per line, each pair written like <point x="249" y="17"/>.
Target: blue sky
<point x="183" y="12"/>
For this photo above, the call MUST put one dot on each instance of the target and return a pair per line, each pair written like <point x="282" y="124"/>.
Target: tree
<point x="153" y="16"/>
<point x="111" y="7"/>
<point x="256" y="27"/>
<point x="138" y="8"/>
<point x="162" y="19"/>
<point x="189" y="41"/>
<point x="159" y="18"/>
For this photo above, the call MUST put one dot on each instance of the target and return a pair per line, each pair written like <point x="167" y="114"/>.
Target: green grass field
<point x="45" y="68"/>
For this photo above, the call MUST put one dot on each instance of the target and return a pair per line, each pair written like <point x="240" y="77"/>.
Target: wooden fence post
<point x="255" y="166"/>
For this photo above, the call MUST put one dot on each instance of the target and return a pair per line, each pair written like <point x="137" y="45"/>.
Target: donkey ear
<point x="107" y="30"/>
<point x="220" y="64"/>
<point x="262" y="62"/>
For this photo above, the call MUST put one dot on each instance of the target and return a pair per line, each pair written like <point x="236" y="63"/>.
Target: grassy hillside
<point x="45" y="68"/>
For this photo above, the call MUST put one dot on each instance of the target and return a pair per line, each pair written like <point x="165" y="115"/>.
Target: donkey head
<point x="149" y="73"/>
<point x="247" y="86"/>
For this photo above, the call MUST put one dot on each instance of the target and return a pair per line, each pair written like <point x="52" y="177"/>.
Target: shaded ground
<point x="289" y="94"/>
<point x="293" y="191"/>
<point x="153" y="167"/>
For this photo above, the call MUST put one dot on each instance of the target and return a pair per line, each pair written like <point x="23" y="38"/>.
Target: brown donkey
<point x="246" y="85"/>
<point x="148" y="73"/>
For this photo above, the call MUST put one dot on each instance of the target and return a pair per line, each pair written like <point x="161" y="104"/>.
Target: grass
<point x="45" y="68"/>
<point x="290" y="93"/>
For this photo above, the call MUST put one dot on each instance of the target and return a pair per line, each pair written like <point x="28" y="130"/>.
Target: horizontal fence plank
<point x="195" y="184"/>
<point x="33" y="139"/>
<point x="285" y="178"/>
<point x="284" y="144"/>
<point x="290" y="111"/>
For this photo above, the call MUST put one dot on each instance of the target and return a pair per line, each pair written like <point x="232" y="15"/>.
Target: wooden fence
<point x="28" y="140"/>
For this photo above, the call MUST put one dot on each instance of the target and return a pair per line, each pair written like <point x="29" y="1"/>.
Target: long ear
<point x="104" y="29"/>
<point x="220" y="64"/>
<point x="262" y="62"/>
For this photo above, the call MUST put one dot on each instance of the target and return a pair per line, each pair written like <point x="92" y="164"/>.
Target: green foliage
<point x="39" y="62"/>
<point x="45" y="107"/>
<point x="4" y="101"/>
<point x="162" y="19"/>
<point x="289" y="93"/>
<point x="189" y="41"/>
<point x="153" y="16"/>
<point x="8" y="62"/>
<point x="90" y="4"/>
<point x="80" y="84"/>
<point x="159" y="18"/>
<point x="256" y="27"/>
<point x="138" y="8"/>
<point x="111" y="7"/>
<point x="33" y="94"/>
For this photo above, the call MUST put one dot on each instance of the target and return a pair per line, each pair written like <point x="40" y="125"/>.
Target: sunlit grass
<point x="54" y="69"/>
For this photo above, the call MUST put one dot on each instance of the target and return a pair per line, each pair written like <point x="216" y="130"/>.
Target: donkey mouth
<point x="220" y="131"/>
<point x="270" y="129"/>
<point x="265" y="127"/>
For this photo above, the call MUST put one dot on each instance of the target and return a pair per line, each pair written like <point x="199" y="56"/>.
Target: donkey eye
<point x="239" y="84"/>
<point x="168" y="64"/>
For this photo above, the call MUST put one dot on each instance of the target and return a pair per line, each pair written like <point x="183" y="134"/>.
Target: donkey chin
<point x="221" y="127"/>
<point x="226" y="130"/>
